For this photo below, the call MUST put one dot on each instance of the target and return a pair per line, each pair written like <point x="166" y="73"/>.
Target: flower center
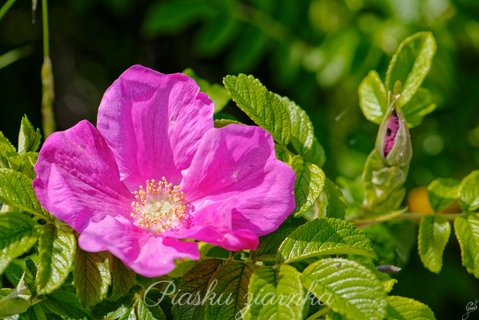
<point x="159" y="206"/>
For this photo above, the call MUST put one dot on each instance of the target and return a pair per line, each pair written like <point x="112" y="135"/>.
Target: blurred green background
<point x="314" y="51"/>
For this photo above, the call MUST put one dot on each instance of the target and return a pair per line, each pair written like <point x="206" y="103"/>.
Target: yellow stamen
<point x="159" y="206"/>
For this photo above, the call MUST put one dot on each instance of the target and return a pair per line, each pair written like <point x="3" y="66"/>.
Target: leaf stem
<point x="4" y="9"/>
<point x="406" y="216"/>
<point x="318" y="314"/>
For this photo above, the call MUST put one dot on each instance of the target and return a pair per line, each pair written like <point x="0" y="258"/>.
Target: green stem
<point x="48" y="96"/>
<point x="413" y="216"/>
<point x="14" y="55"/>
<point x="4" y="9"/>
<point x="318" y="314"/>
<point x="406" y="216"/>
<point x="46" y="38"/>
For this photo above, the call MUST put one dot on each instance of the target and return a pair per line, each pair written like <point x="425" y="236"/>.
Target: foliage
<point x="330" y="255"/>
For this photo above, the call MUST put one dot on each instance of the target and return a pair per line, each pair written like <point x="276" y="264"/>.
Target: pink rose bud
<point x="393" y="141"/>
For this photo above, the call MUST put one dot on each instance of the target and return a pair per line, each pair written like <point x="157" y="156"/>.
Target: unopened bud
<point x="393" y="141"/>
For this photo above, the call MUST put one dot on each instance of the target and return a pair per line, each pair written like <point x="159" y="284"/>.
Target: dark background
<point x="314" y="51"/>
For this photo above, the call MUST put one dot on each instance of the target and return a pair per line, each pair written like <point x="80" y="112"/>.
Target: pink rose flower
<point x="155" y="172"/>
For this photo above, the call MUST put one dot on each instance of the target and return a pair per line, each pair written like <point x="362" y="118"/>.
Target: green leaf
<point x="347" y="288"/>
<point x="17" y="236"/>
<point x="230" y="289"/>
<point x="23" y="163"/>
<point x="410" y="64"/>
<point x="330" y="203"/>
<point x="265" y="108"/>
<point x="308" y="185"/>
<point x="122" y="278"/>
<point x="29" y="139"/>
<point x="56" y="250"/>
<point x="5" y="146"/>
<point x="269" y="244"/>
<point x="469" y="192"/>
<point x="145" y="313"/>
<point x="285" y="120"/>
<point x="91" y="276"/>
<point x="215" y="92"/>
<point x="169" y="17"/>
<point x="220" y="123"/>
<point x="275" y="293"/>
<point x="401" y="308"/>
<point x="14" y="301"/>
<point x="467" y="233"/>
<point x="16" y="190"/>
<point x="30" y="275"/>
<point x="392" y="241"/>
<point x="327" y="236"/>
<point x="35" y="312"/>
<point x="196" y="282"/>
<point x="373" y="98"/>
<point x="65" y="303"/>
<point x="420" y="105"/>
<point x="302" y="137"/>
<point x="442" y="193"/>
<point x="434" y="232"/>
<point x="119" y="309"/>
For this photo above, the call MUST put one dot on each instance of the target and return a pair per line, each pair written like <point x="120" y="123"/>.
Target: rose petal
<point x="144" y="253"/>
<point x="213" y="224"/>
<point x="77" y="177"/>
<point x="153" y="123"/>
<point x="235" y="167"/>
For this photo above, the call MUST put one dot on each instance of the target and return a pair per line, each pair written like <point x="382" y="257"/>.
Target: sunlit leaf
<point x="196" y="281"/>
<point x="56" y="249"/>
<point x="5" y="145"/>
<point x="91" y="276"/>
<point x="29" y="139"/>
<point x="373" y="97"/>
<point x="17" y="235"/>
<point x="308" y="185"/>
<point x="401" y="308"/>
<point x="275" y="293"/>
<point x="467" y="233"/>
<point x="469" y="192"/>
<point x="434" y="232"/>
<point x="347" y="288"/>
<point x="410" y="64"/>
<point x="286" y="121"/>
<point x="327" y="236"/>
<point x="146" y="313"/>
<point x="14" y="301"/>
<point x="420" y="105"/>
<point x="16" y="190"/>
<point x="330" y="203"/>
<point x="264" y="107"/>
<point x="122" y="278"/>
<point x="230" y="287"/>
<point x="442" y="193"/>
<point x="302" y="137"/>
